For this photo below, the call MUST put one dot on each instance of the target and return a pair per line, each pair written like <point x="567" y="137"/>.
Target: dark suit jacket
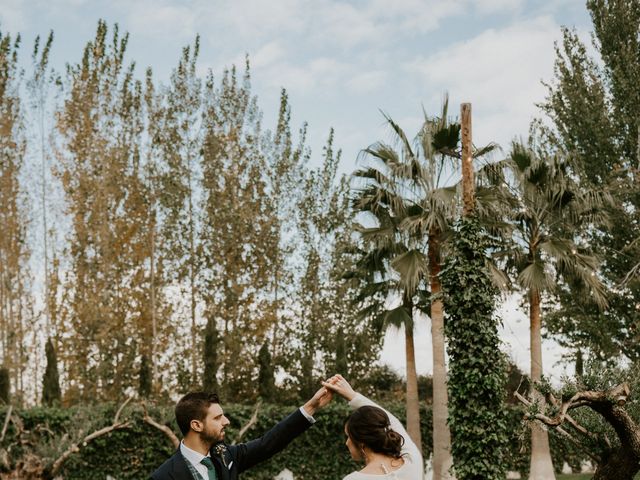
<point x="241" y="457"/>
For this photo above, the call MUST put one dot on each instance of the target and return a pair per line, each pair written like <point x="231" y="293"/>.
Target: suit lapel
<point x="180" y="471"/>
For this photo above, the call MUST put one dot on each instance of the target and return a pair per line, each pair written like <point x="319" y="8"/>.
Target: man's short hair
<point x="193" y="406"/>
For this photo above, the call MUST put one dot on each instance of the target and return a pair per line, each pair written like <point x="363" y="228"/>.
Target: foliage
<point x="593" y="103"/>
<point x="179" y="203"/>
<point x="15" y="300"/>
<point x="477" y="368"/>
<point x="137" y="451"/>
<point x="100" y="126"/>
<point x="599" y="415"/>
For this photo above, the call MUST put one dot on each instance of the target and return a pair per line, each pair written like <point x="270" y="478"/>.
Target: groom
<point x="203" y="455"/>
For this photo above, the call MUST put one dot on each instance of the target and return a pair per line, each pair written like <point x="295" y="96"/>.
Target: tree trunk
<point x="192" y="285"/>
<point x="619" y="465"/>
<point x="541" y="464"/>
<point x="413" y="401"/>
<point x="154" y="326"/>
<point x="442" y="458"/>
<point x="468" y="186"/>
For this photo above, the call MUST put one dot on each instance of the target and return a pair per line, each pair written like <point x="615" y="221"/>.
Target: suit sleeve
<point x="246" y="455"/>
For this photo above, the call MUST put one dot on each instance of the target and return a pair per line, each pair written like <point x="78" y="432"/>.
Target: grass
<point x="581" y="476"/>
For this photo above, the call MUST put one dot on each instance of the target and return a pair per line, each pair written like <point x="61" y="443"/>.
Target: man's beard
<point x="211" y="438"/>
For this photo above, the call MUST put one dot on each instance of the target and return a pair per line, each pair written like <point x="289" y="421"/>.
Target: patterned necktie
<point x="206" y="461"/>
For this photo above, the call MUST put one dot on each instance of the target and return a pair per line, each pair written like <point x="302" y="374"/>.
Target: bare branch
<point x="619" y="394"/>
<point x="117" y="417"/>
<point x="117" y="425"/>
<point x="163" y="428"/>
<point x="578" y="444"/>
<point x="6" y="422"/>
<point x="252" y="421"/>
<point x="519" y="396"/>
<point x="553" y="423"/>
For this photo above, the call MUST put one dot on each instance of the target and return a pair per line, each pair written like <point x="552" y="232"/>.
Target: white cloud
<point x="318" y="73"/>
<point x="168" y="20"/>
<point x="410" y="16"/>
<point x="259" y="19"/>
<point x="339" y="23"/>
<point x="496" y="6"/>
<point x="12" y="16"/>
<point x="367" y="82"/>
<point x="499" y="72"/>
<point x="267" y="54"/>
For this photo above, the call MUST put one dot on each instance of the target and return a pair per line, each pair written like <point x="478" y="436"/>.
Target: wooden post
<point x="467" y="165"/>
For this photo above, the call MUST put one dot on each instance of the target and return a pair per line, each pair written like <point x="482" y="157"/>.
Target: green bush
<point x="133" y="453"/>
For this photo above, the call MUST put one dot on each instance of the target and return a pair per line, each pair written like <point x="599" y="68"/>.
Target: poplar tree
<point x="177" y="144"/>
<point x="236" y="218"/>
<point x="14" y="253"/>
<point x="100" y="125"/>
<point x="593" y="102"/>
<point x="324" y="297"/>
<point x="39" y="89"/>
<point x="286" y="159"/>
<point x="160" y="329"/>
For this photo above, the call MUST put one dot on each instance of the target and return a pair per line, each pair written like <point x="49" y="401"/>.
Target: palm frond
<point x="520" y="156"/>
<point x="402" y="137"/>
<point x="499" y="277"/>
<point x="412" y="267"/>
<point x="398" y="317"/>
<point x="446" y="138"/>
<point x="385" y="154"/>
<point x="481" y="152"/>
<point x="534" y="277"/>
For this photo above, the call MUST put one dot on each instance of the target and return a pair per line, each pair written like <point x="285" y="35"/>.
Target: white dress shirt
<point x="307" y="416"/>
<point x="195" y="458"/>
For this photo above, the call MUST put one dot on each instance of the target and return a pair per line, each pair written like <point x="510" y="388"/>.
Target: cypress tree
<point x="579" y="364"/>
<point x="266" y="379"/>
<point x="144" y="388"/>
<point x="341" y="354"/>
<point x="5" y="385"/>
<point x="211" y="341"/>
<point x="50" y="381"/>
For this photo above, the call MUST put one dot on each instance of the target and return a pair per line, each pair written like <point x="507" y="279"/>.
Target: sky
<point x="343" y="63"/>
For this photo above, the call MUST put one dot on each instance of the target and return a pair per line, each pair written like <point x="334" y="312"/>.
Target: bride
<point x="376" y="438"/>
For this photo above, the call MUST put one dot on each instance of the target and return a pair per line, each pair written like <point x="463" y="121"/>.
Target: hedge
<point x="133" y="453"/>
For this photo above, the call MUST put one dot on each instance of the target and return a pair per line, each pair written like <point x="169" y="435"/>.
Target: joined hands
<point x="337" y="384"/>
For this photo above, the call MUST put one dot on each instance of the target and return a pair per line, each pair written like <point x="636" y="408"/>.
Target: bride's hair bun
<point x="369" y="426"/>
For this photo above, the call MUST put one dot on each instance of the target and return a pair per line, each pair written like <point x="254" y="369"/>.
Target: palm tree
<point x="383" y="246"/>
<point x="411" y="197"/>
<point x="549" y="211"/>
